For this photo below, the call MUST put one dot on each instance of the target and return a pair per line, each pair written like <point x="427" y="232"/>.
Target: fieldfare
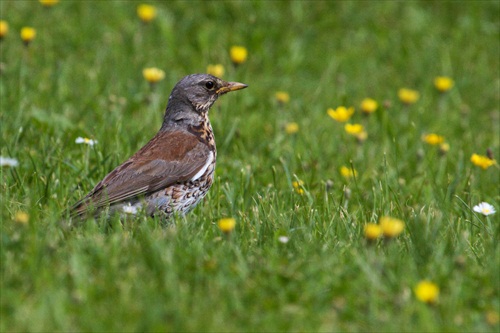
<point x="175" y="169"/>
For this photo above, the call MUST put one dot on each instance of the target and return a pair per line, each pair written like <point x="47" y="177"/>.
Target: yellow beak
<point x="231" y="86"/>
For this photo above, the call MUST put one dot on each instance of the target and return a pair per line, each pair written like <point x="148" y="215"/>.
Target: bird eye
<point x="210" y="85"/>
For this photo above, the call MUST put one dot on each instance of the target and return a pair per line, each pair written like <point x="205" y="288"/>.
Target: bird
<point x="175" y="169"/>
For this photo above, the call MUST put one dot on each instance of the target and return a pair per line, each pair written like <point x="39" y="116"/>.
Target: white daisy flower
<point x="86" y="141"/>
<point x="8" y="162"/>
<point x="283" y="239"/>
<point x="484" y="208"/>
<point x="129" y="210"/>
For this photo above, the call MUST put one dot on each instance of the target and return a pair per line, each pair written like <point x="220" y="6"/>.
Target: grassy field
<point x="298" y="258"/>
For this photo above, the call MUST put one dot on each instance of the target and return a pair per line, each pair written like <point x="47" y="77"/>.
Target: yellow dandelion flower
<point x="444" y="148"/>
<point x="362" y="136"/>
<point x="238" y="54"/>
<point x="341" y="114"/>
<point x="48" y="3"/>
<point x="481" y="161"/>
<point x="282" y="97"/>
<point x="291" y="128"/>
<point x="391" y="227"/>
<point x="28" y="34"/>
<point x="492" y="317"/>
<point x="347" y="172"/>
<point x="297" y="186"/>
<point x="226" y="225"/>
<point x="216" y="70"/>
<point x="408" y="96"/>
<point x="443" y="83"/>
<point x="427" y="292"/>
<point x="369" y="105"/>
<point x="146" y="13"/>
<point x="372" y="231"/>
<point x="153" y="74"/>
<point x="354" y="129"/>
<point x="433" y="139"/>
<point x="21" y="217"/>
<point x="4" y="28"/>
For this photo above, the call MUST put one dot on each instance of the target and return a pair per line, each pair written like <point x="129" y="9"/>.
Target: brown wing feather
<point x="170" y="157"/>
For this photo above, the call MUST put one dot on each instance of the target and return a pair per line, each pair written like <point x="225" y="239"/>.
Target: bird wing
<point x="170" y="157"/>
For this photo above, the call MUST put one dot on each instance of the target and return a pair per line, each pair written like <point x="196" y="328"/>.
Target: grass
<point x="81" y="76"/>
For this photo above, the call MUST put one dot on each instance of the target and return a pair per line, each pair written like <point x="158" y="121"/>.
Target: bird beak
<point x="231" y="86"/>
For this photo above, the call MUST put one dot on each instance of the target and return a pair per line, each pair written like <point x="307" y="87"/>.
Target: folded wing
<point x="170" y="157"/>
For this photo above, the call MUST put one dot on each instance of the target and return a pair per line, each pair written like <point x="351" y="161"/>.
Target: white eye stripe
<point x="204" y="168"/>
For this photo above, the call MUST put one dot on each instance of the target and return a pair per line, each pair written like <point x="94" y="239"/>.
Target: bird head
<point x="201" y="91"/>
